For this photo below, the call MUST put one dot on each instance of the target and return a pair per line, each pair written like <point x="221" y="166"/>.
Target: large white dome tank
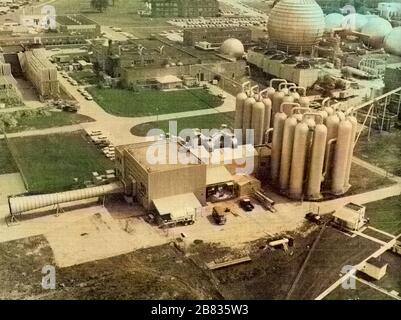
<point x="354" y="22"/>
<point x="233" y="48"/>
<point x="333" y="21"/>
<point x="377" y="29"/>
<point x="296" y="25"/>
<point x="392" y="42"/>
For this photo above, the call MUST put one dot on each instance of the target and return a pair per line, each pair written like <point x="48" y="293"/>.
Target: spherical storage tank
<point x="296" y="25"/>
<point x="377" y="29"/>
<point x="333" y="21"/>
<point x="233" y="48"/>
<point x="392" y="42"/>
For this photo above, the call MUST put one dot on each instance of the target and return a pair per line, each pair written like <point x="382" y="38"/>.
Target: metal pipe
<point x="299" y="109"/>
<point x="267" y="135"/>
<point x="276" y="80"/>
<point x="315" y="114"/>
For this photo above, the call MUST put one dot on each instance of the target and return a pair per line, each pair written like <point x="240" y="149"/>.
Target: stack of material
<point x="40" y="72"/>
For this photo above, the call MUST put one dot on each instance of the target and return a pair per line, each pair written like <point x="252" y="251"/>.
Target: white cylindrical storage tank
<point x="268" y="113"/>
<point x="298" y="161"/>
<point x="258" y="122"/>
<point x="354" y="122"/>
<point x="286" y="152"/>
<point x="247" y="117"/>
<point x="270" y="92"/>
<point x="377" y="29"/>
<point x="341" y="157"/>
<point x="315" y="178"/>
<point x="239" y="110"/>
<point x="392" y="42"/>
<point x="277" y="101"/>
<point x="277" y="144"/>
<point x="332" y="123"/>
<point x="287" y="108"/>
<point x="304" y="102"/>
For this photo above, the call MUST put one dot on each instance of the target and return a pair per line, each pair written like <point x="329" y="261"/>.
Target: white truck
<point x="183" y="217"/>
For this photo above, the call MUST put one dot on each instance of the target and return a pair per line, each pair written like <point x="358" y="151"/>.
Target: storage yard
<point x="298" y="179"/>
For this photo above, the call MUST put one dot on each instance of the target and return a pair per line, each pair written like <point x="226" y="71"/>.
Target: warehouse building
<point x="76" y="24"/>
<point x="163" y="169"/>
<point x="184" y="8"/>
<point x="216" y="36"/>
<point x="40" y="72"/>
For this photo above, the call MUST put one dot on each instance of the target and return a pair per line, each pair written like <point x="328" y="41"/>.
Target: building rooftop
<point x="163" y="155"/>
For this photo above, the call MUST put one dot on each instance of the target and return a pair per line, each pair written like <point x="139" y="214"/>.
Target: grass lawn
<point x="56" y="119"/>
<point x="213" y="121"/>
<point x="51" y="162"/>
<point x="84" y="77"/>
<point x="386" y="215"/>
<point x="7" y="164"/>
<point x="364" y="180"/>
<point x="384" y="150"/>
<point x="127" y="103"/>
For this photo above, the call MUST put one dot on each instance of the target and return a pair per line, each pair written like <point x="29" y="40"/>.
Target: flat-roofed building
<point x="184" y="8"/>
<point x="216" y="36"/>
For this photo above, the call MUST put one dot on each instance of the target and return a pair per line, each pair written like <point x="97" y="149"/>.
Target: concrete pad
<point x="98" y="236"/>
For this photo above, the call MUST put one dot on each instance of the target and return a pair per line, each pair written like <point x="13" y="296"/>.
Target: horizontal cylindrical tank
<point x="315" y="177"/>
<point x="279" y="122"/>
<point x="258" y="122"/>
<point x="286" y="152"/>
<point x="239" y="109"/>
<point x="23" y="204"/>
<point x="341" y="157"/>
<point x="392" y="43"/>
<point x="377" y="29"/>
<point x="298" y="162"/>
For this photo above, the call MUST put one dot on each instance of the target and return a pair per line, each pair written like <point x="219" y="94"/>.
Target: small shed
<point x="169" y="82"/>
<point x="350" y="217"/>
<point x="375" y="268"/>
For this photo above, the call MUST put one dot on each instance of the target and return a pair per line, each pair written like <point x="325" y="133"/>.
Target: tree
<point x="100" y="5"/>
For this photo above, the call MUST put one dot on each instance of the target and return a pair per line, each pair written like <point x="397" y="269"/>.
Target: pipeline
<point x="21" y="204"/>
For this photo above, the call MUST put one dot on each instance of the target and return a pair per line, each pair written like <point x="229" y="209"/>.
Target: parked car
<point x="220" y="215"/>
<point x="246" y="205"/>
<point x="314" y="218"/>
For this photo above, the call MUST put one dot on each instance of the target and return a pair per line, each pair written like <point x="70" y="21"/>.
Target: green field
<point x="384" y="151"/>
<point x="55" y="119"/>
<point x="7" y="164"/>
<point x="386" y="215"/>
<point x="363" y="180"/>
<point x="212" y="121"/>
<point x="127" y="103"/>
<point x="50" y="163"/>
